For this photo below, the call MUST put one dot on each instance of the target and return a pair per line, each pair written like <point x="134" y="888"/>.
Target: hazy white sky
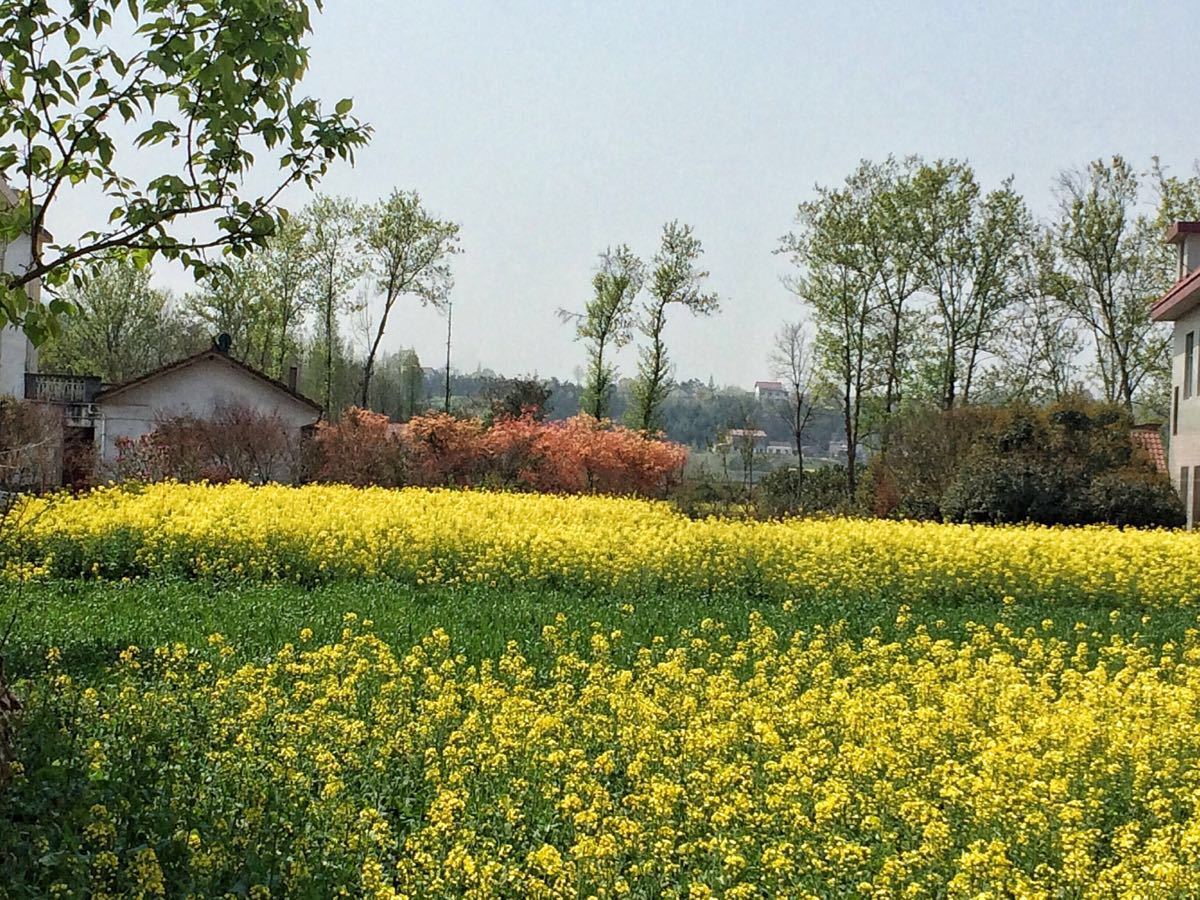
<point x="552" y="129"/>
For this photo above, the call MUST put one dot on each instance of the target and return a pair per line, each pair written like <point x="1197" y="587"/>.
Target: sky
<point x="551" y="130"/>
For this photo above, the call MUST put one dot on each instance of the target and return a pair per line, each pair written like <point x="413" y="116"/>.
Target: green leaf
<point x="344" y="106"/>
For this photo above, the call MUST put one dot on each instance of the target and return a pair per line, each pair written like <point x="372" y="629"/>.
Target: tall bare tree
<point x="970" y="246"/>
<point x="893" y="252"/>
<point x="792" y="362"/>
<point x="407" y="253"/>
<point x="288" y="281"/>
<point x="836" y="279"/>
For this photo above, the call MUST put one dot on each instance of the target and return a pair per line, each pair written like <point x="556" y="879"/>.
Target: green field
<point x="91" y="622"/>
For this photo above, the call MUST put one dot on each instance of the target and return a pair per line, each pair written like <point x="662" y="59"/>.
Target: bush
<point x="362" y="448"/>
<point x="1071" y="463"/>
<point x="1136" y="497"/>
<point x="785" y="492"/>
<point x="30" y="441"/>
<point x="235" y="444"/>
<point x="577" y="456"/>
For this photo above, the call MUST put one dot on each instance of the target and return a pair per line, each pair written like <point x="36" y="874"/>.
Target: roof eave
<point x="1179" y="300"/>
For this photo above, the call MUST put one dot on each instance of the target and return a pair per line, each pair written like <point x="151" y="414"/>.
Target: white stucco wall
<point x="198" y="389"/>
<point x="1184" y="448"/>
<point x="17" y="354"/>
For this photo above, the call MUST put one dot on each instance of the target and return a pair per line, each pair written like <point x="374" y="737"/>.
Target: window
<point x="1189" y="363"/>
<point x="1183" y="487"/>
<point x="1175" y="413"/>
<point x="1194" y="509"/>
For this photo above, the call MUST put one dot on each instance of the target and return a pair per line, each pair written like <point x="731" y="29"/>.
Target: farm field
<point x="433" y="714"/>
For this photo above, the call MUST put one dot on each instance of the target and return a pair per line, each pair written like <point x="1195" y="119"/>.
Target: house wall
<point x="17" y="354"/>
<point x="200" y="390"/>
<point x="1184" y="450"/>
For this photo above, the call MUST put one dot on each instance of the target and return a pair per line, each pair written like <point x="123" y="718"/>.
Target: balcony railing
<point x="51" y="388"/>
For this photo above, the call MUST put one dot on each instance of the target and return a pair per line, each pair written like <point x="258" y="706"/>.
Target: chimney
<point x="1186" y="236"/>
<point x="293" y="378"/>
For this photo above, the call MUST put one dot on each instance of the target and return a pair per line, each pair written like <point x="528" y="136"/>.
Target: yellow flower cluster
<point x="461" y="537"/>
<point x="1003" y="765"/>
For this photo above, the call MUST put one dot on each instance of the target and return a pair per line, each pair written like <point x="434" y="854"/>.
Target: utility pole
<point x="449" y="314"/>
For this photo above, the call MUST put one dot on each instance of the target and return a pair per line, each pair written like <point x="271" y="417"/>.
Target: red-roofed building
<point x="765" y="391"/>
<point x="1147" y="440"/>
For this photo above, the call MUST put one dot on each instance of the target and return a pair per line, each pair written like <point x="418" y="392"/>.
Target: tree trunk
<point x="449" y="313"/>
<point x="369" y="365"/>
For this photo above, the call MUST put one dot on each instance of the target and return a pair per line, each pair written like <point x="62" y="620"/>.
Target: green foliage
<point x="791" y="491"/>
<point x="406" y="252"/>
<point x="512" y="398"/>
<point x="1115" y="266"/>
<point x="122" y="326"/>
<point x="1071" y="463"/>
<point x="675" y="280"/>
<point x="606" y="324"/>
<point x="207" y="89"/>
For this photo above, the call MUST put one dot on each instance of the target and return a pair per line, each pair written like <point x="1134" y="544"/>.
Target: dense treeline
<point x="920" y="287"/>
<point x="925" y="288"/>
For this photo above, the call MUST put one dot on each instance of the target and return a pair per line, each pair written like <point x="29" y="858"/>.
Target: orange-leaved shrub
<point x="362" y="448"/>
<point x="579" y="455"/>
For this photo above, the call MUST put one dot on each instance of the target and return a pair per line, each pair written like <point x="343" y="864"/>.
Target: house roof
<point x="746" y="432"/>
<point x="769" y="385"/>
<point x="1148" y="439"/>
<point x="1177" y="231"/>
<point x="1184" y="296"/>
<point x="1179" y="300"/>
<point x="210" y="354"/>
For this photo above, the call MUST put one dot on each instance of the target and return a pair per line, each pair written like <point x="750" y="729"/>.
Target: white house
<point x="738" y="438"/>
<point x="200" y="386"/>
<point x="94" y="414"/>
<point x="1181" y="306"/>
<point x="17" y="354"/>
<point x="769" y="391"/>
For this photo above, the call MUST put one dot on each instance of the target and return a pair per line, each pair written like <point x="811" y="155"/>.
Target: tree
<point x="791" y="360"/>
<point x="205" y="90"/>
<point x="676" y="280"/>
<point x="123" y="327"/>
<point x="512" y="398"/>
<point x="333" y="246"/>
<point x="969" y="255"/>
<point x="1113" y="258"/>
<point x="836" y="280"/>
<point x="893" y="255"/>
<point x="449" y="332"/>
<point x="287" y="276"/>
<point x="1038" y="362"/>
<point x="231" y="301"/>
<point x="407" y="252"/>
<point x="607" y="323"/>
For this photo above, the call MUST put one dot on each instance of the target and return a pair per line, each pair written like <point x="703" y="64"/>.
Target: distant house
<point x="737" y="438"/>
<point x="769" y="391"/>
<point x="780" y="448"/>
<point x="1181" y="307"/>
